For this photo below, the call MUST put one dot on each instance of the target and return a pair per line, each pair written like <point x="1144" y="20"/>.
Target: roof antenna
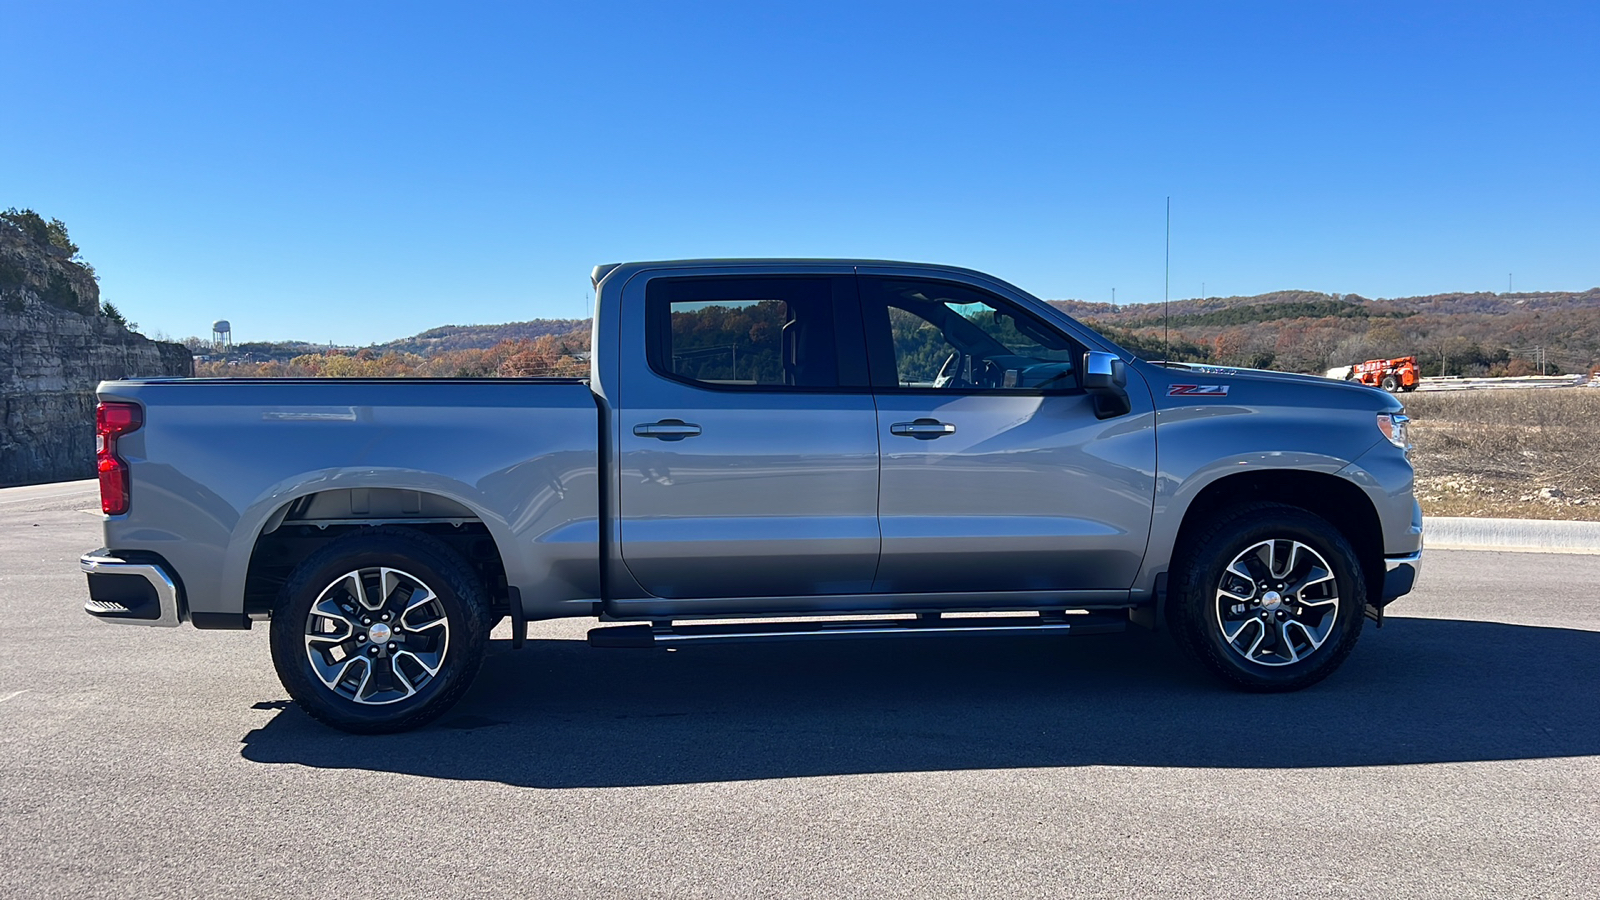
<point x="1166" y="287"/>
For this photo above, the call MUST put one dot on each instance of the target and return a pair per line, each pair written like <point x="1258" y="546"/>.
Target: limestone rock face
<point x="52" y="354"/>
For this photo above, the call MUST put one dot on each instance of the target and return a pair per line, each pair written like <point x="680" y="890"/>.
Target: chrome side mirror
<point x="1103" y="371"/>
<point x="1105" y="377"/>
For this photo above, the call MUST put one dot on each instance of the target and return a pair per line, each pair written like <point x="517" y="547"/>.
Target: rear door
<point x="996" y="474"/>
<point x="748" y="446"/>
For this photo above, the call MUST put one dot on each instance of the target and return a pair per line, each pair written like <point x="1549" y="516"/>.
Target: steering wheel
<point x="986" y="372"/>
<point x="950" y="373"/>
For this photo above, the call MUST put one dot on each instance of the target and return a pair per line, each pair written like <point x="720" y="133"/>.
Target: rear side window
<point x="744" y="333"/>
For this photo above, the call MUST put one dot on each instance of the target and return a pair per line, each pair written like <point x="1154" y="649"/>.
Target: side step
<point x="661" y="634"/>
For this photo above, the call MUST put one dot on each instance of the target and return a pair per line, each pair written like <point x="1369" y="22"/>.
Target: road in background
<point x="1524" y="382"/>
<point x="54" y="496"/>
<point x="1464" y="383"/>
<point x="1456" y="754"/>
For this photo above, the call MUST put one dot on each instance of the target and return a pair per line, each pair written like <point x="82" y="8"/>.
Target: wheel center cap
<point x="379" y="633"/>
<point x="1271" y="600"/>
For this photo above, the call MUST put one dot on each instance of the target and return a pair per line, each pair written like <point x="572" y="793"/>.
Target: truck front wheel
<point x="381" y="630"/>
<point x="1268" y="597"/>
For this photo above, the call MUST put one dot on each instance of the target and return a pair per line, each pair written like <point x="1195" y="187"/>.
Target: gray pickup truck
<point x="764" y="450"/>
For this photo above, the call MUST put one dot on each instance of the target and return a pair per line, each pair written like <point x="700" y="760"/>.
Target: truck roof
<point x="601" y="271"/>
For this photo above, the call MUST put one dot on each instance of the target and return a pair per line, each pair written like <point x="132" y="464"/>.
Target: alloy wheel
<point x="1277" y="602"/>
<point x="376" y="635"/>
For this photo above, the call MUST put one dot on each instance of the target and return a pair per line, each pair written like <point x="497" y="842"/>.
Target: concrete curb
<point x="1523" y="535"/>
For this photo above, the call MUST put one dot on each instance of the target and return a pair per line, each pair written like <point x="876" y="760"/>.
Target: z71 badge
<point x="1204" y="390"/>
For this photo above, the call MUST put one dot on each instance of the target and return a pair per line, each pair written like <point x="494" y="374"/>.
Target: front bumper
<point x="130" y="592"/>
<point x="1400" y="575"/>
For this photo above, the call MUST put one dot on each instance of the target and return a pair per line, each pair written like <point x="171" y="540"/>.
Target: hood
<point x="1175" y="372"/>
<point x="1230" y="371"/>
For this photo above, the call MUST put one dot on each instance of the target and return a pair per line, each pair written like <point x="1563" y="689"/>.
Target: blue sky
<point x="360" y="172"/>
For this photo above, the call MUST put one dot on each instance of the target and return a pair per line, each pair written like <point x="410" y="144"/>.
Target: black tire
<point x="458" y="600"/>
<point x="1390" y="383"/>
<point x="1200" y="614"/>
<point x="1410" y="387"/>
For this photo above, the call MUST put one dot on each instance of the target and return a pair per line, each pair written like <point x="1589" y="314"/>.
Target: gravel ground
<point x="1508" y="453"/>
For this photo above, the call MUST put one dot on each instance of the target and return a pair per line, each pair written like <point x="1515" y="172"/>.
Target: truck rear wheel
<point x="1390" y="383"/>
<point x="381" y="630"/>
<point x="1268" y="597"/>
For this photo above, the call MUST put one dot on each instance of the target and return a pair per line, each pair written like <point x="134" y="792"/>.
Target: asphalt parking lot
<point x="1457" y="754"/>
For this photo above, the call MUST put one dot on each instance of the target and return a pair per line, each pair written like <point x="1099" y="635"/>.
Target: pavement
<point x="1456" y="754"/>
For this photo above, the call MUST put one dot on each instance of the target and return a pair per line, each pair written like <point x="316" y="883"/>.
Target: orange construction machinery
<point x="1398" y="374"/>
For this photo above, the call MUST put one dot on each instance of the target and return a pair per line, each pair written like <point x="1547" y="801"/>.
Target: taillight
<point x="111" y="421"/>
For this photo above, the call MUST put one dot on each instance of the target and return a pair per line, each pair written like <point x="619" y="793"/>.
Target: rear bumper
<point x="1400" y="574"/>
<point x="130" y="592"/>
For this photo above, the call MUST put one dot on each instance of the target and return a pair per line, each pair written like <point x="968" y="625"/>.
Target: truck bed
<point x="219" y="462"/>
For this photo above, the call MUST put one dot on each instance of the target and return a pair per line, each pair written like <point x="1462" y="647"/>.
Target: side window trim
<point x="849" y="334"/>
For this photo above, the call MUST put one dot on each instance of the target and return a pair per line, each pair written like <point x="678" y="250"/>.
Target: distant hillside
<point x="435" y="342"/>
<point x="447" y="338"/>
<point x="1272" y="311"/>
<point x="1456" y="334"/>
<point x="1291" y="304"/>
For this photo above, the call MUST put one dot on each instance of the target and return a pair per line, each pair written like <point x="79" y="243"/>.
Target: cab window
<point x="947" y="336"/>
<point x="738" y="333"/>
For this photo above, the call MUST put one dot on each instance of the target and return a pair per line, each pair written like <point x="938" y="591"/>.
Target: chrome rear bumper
<point x="130" y="593"/>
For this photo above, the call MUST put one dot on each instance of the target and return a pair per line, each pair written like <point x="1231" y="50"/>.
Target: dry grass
<point x="1513" y="453"/>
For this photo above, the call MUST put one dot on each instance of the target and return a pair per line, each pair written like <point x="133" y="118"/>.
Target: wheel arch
<point x="1338" y="500"/>
<point x="291" y="525"/>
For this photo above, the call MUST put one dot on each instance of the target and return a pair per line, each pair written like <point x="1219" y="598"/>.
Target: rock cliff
<point x="55" y="346"/>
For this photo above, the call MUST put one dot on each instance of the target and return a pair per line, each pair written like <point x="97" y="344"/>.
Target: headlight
<point x="1396" y="428"/>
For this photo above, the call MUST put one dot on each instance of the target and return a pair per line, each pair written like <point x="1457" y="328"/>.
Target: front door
<point x="748" y="445"/>
<point x="996" y="474"/>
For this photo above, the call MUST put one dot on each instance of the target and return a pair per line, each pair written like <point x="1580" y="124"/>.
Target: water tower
<point x="221" y="334"/>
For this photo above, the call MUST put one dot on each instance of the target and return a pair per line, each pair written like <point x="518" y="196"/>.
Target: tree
<point x="1248" y="347"/>
<point x="51" y="233"/>
<point x="110" y="311"/>
<point x="1316" y="350"/>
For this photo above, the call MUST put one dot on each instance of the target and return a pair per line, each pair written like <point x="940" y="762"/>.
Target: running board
<point x="660" y="634"/>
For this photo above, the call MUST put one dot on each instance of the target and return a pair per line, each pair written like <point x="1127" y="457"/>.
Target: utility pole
<point x="1166" y="289"/>
<point x="1113" y="298"/>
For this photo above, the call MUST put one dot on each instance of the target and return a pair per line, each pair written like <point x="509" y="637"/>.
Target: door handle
<point x="922" y="429"/>
<point x="667" y="430"/>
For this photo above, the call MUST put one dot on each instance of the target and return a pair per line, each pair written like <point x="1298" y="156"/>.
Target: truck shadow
<point x="560" y="714"/>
